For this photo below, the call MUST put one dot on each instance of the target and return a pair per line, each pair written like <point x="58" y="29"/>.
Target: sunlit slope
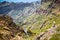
<point x="38" y="23"/>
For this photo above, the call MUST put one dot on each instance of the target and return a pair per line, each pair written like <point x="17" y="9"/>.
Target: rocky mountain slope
<point x="42" y="24"/>
<point x="18" y="11"/>
<point x="8" y="6"/>
<point x="8" y="29"/>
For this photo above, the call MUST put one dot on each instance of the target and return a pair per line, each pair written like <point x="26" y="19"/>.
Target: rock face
<point x="45" y="1"/>
<point x="8" y="29"/>
<point x="57" y="1"/>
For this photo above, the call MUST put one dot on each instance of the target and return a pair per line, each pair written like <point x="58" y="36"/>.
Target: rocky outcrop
<point x="8" y="29"/>
<point x="56" y="1"/>
<point x="43" y="1"/>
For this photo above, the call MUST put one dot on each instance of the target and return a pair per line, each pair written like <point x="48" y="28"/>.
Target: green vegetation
<point x="39" y="19"/>
<point x="56" y="36"/>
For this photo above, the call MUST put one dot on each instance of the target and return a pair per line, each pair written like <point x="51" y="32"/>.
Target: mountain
<point x="37" y="22"/>
<point x="18" y="11"/>
<point x="12" y="6"/>
<point x="8" y="6"/>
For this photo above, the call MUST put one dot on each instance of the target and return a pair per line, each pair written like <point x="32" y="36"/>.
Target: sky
<point x="18" y="0"/>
